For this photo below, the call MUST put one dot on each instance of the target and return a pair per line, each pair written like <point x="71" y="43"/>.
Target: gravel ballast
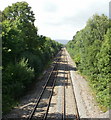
<point x="87" y="106"/>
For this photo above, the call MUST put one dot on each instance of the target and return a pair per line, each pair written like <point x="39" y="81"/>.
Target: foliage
<point x="91" y="50"/>
<point x="16" y="78"/>
<point x="24" y="52"/>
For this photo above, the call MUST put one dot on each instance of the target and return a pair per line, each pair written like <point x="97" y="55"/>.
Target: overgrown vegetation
<point x="25" y="53"/>
<point x="91" y="51"/>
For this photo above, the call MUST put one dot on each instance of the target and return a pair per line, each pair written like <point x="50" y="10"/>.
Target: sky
<point x="61" y="19"/>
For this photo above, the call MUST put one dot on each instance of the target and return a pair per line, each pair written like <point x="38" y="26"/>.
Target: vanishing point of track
<point x="50" y="84"/>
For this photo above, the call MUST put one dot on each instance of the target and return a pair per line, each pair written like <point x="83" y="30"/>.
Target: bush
<point x="20" y="40"/>
<point x="91" y="50"/>
<point x="16" y="79"/>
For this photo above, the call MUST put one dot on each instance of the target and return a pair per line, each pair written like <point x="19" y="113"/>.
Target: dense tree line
<point x="91" y="51"/>
<point x="25" y="53"/>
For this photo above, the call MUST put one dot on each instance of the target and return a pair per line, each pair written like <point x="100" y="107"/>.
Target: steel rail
<point x="41" y="93"/>
<point x="77" y="112"/>
<point x="64" y="102"/>
<point x="45" y="116"/>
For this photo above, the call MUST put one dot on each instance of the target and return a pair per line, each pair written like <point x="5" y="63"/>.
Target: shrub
<point x="16" y="78"/>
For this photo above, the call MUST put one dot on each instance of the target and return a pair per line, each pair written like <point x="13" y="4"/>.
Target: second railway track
<point x="42" y="104"/>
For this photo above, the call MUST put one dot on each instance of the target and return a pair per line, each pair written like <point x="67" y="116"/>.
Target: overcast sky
<point x="61" y="19"/>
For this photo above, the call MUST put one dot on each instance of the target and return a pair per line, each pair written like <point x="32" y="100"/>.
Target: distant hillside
<point x="62" y="41"/>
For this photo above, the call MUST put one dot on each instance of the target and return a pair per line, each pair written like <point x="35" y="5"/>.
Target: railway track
<point x="69" y="74"/>
<point x="44" y="101"/>
<point x="50" y="83"/>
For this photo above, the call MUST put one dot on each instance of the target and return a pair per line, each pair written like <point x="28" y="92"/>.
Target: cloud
<point x="50" y="7"/>
<point x="60" y="19"/>
<point x="110" y="10"/>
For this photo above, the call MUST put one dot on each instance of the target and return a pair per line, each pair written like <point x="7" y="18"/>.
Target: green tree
<point x="19" y="33"/>
<point x="92" y="54"/>
<point x="104" y="66"/>
<point x="24" y="52"/>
